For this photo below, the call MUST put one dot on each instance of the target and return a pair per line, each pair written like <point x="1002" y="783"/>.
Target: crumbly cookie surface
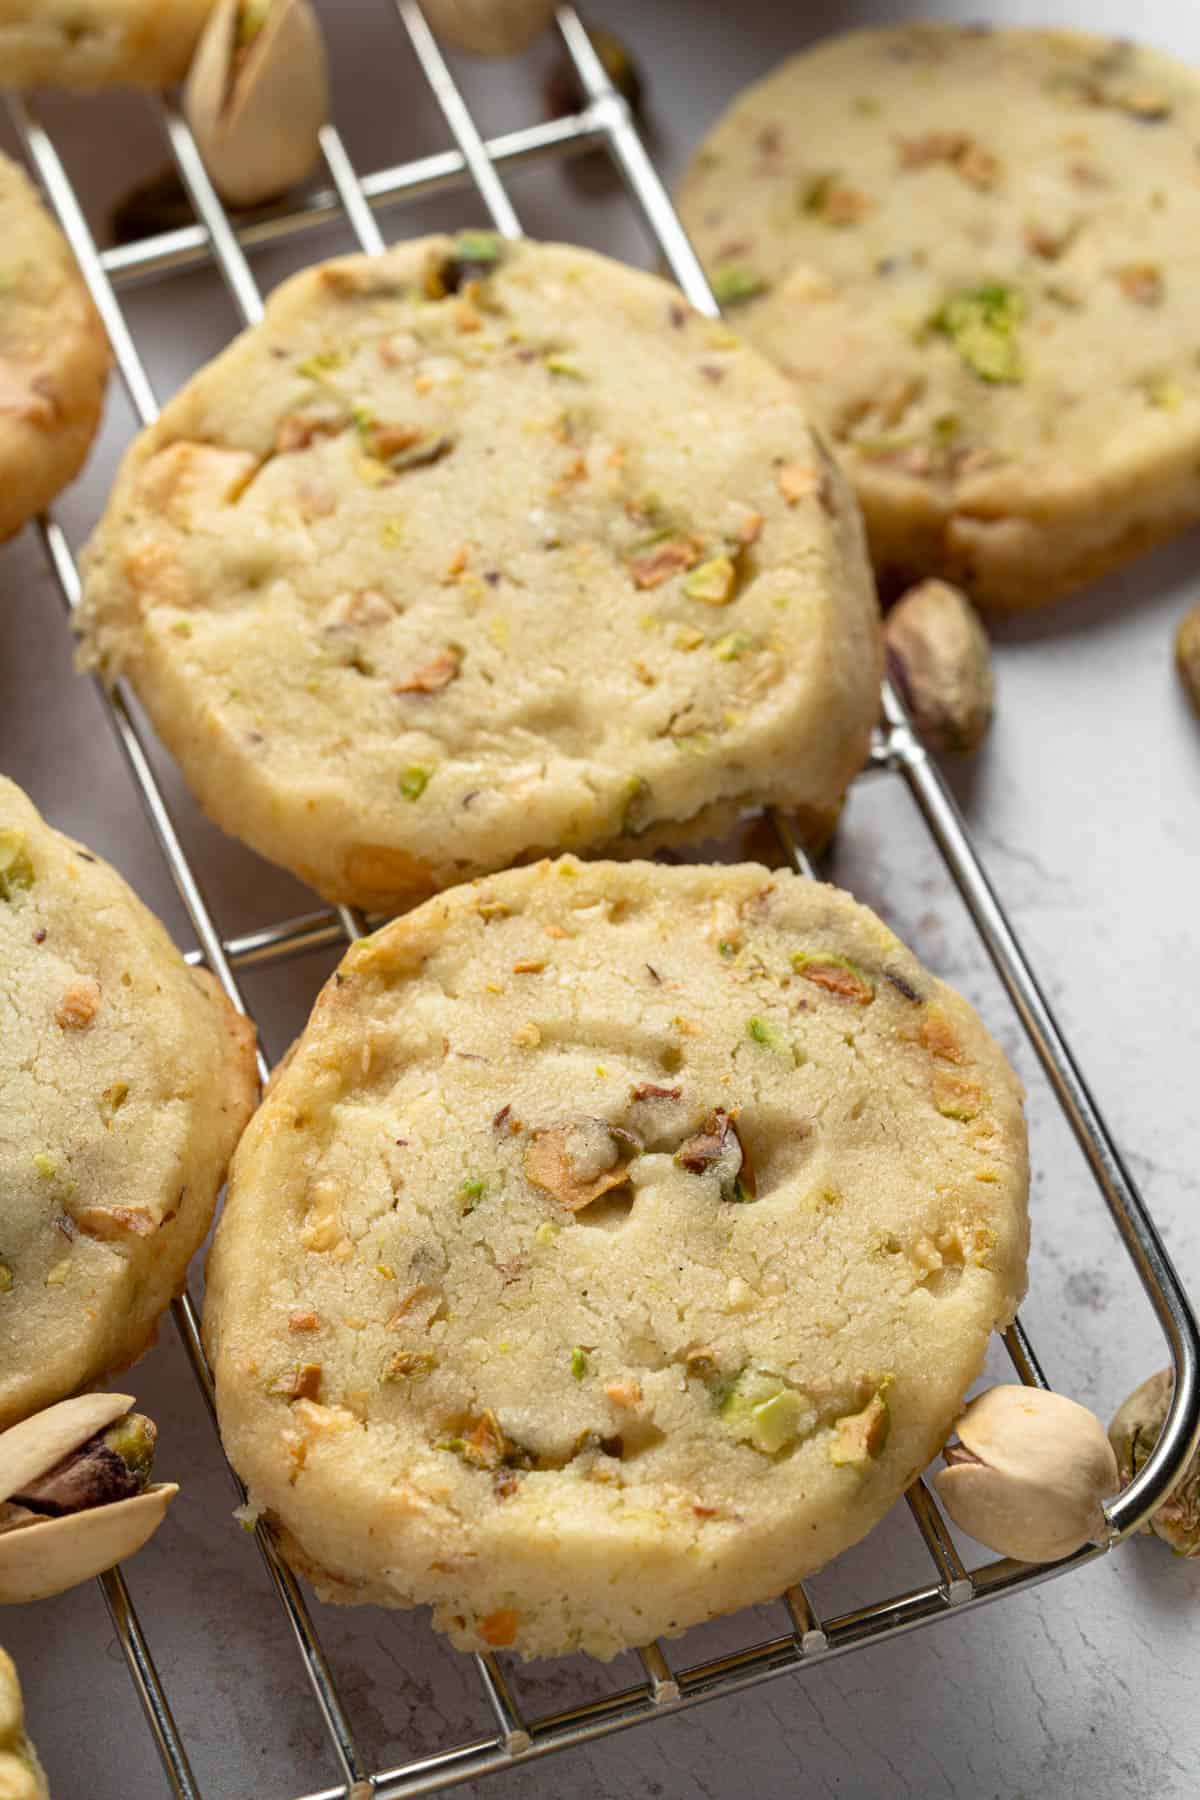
<point x="53" y="355"/>
<point x="125" y="1079"/>
<point x="88" y="44"/>
<point x="21" y="1774"/>
<point x="614" y="1247"/>
<point x="475" y="551"/>
<point x="978" y="252"/>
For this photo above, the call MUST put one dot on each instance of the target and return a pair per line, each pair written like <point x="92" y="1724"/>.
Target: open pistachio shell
<point x="1035" y="1468"/>
<point x="51" y="1555"/>
<point x="27" y="1450"/>
<point x="256" y="103"/>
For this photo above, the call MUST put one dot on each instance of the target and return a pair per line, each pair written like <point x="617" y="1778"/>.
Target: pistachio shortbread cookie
<point x="979" y="253"/>
<point x="125" y="1080"/>
<point x="21" y="1774"/>
<point x="472" y="551"/>
<point x="616" y="1245"/>
<point x="53" y="356"/>
<point x="98" y="43"/>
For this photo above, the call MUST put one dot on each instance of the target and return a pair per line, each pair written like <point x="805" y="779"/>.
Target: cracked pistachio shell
<point x="939" y="657"/>
<point x="48" y="1556"/>
<point x="256" y="105"/>
<point x="37" y="1444"/>
<point x="1038" y="1467"/>
<point x="1133" y="1434"/>
<point x="489" y="27"/>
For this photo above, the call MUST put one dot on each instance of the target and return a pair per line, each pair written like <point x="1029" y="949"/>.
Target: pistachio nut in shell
<point x="939" y="657"/>
<point x="59" y="1524"/>
<point x="1187" y="654"/>
<point x="257" y="95"/>
<point x="49" y="1556"/>
<point x="27" y="1450"/>
<point x="1028" y="1474"/>
<point x="1133" y="1434"/>
<point x="489" y="27"/>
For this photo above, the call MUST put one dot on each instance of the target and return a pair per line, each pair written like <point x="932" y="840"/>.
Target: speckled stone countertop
<point x="1086" y="807"/>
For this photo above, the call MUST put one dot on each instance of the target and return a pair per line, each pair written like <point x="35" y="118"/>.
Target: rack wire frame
<point x="604" y="121"/>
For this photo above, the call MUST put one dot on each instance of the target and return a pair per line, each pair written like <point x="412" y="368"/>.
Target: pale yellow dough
<point x="88" y="44"/>
<point x="472" y="552"/>
<point x="125" y="1079"/>
<point x="21" y="1774"/>
<point x="494" y="1331"/>
<point x="53" y="355"/>
<point x="865" y="196"/>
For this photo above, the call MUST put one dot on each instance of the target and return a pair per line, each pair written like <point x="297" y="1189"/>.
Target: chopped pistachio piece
<point x="485" y="1445"/>
<point x="862" y="1435"/>
<point x="764" y="1032"/>
<point x="636" y="814"/>
<point x="836" y="974"/>
<point x="713" y="581"/>
<point x="579" y="1362"/>
<point x="762" y="1410"/>
<point x="479" y="246"/>
<point x="320" y="364"/>
<point x="718" y="1146"/>
<point x="577" y="1163"/>
<point x="414" y="781"/>
<point x="733" y="645"/>
<point x="408" y="1365"/>
<point x="16" y="870"/>
<point x="732" y="285"/>
<point x="471" y="1193"/>
<point x="564" y="367"/>
<point x="834" y="201"/>
<point x="982" y="324"/>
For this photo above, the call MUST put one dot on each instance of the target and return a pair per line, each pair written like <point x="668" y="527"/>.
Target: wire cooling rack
<point x="604" y="121"/>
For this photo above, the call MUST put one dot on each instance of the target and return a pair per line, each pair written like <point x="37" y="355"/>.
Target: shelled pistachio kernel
<point x="765" y="1412"/>
<point x="940" y="659"/>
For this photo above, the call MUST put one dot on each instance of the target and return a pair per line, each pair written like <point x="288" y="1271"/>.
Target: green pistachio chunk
<point x="982" y="324"/>
<point x="713" y="581"/>
<point x="764" y="1412"/>
<point x="733" y="645"/>
<point x="471" y="1193"/>
<point x="764" y="1032"/>
<point x="16" y="870"/>
<point x="414" y="781"/>
<point x="479" y="246"/>
<point x="579" y="1362"/>
<point x="732" y="285"/>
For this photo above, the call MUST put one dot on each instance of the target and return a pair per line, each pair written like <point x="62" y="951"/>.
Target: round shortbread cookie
<point x="616" y="1245"/>
<point x="53" y="356"/>
<point x="979" y="253"/>
<point x="21" y="1774"/>
<point x="474" y="551"/>
<point x="125" y="1080"/>
<point x="86" y="44"/>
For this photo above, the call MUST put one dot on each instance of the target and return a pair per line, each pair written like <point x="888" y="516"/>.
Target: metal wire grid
<point x="605" y="121"/>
